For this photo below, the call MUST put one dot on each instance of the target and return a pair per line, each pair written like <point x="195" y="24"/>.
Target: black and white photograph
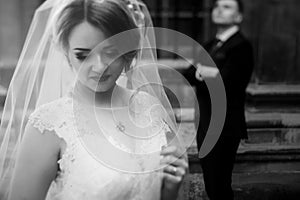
<point x="149" y="100"/>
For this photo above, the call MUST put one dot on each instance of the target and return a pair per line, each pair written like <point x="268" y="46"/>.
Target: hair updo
<point x="110" y="16"/>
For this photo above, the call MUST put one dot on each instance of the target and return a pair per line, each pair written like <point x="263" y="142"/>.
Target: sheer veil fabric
<point x="43" y="75"/>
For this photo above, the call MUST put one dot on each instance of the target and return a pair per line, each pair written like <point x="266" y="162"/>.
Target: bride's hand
<point x="175" y="167"/>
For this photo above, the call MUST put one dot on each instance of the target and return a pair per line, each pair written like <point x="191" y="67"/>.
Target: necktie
<point x="217" y="43"/>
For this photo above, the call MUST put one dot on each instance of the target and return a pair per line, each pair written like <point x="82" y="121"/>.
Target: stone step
<point x="258" y="162"/>
<point x="272" y="96"/>
<point x="264" y="150"/>
<point x="250" y="186"/>
<point x="254" y="118"/>
<point x="265" y="130"/>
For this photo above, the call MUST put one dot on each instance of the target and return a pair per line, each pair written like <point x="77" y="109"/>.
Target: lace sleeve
<point x="47" y="117"/>
<point x="39" y="120"/>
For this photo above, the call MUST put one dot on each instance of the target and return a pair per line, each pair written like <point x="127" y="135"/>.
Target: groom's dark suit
<point x="234" y="59"/>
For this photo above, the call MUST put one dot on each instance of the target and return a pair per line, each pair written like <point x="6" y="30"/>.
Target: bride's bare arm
<point x="36" y="165"/>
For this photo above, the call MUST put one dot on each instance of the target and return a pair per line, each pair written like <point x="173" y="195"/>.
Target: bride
<point x="86" y="116"/>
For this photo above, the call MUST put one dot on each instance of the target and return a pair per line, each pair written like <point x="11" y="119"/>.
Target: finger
<point x="172" y="179"/>
<point x="198" y="65"/>
<point x="198" y="73"/>
<point x="175" y="171"/>
<point x="198" y="76"/>
<point x="179" y="162"/>
<point x="199" y="69"/>
<point x="175" y="160"/>
<point x="172" y="150"/>
<point x="171" y="160"/>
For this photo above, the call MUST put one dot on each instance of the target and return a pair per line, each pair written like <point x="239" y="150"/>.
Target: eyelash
<point x="108" y="54"/>
<point x="81" y="58"/>
<point x="81" y="55"/>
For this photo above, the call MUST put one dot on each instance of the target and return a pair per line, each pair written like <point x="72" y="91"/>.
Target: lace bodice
<point x="81" y="174"/>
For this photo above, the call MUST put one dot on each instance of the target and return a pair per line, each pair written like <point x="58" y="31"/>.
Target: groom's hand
<point x="203" y="72"/>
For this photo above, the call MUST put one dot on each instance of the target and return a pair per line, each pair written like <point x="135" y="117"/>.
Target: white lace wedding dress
<point x="81" y="176"/>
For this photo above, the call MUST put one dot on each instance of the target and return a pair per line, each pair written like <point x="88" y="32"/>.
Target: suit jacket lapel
<point x="231" y="42"/>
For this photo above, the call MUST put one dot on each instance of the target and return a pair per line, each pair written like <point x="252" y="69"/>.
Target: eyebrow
<point x="86" y="49"/>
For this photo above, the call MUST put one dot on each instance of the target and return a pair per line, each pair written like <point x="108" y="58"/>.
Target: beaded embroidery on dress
<point x="83" y="177"/>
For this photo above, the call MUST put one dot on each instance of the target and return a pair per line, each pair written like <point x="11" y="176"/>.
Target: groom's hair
<point x="239" y="3"/>
<point x="110" y="16"/>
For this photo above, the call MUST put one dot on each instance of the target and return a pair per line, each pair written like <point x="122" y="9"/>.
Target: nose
<point x="217" y="11"/>
<point x="98" y="64"/>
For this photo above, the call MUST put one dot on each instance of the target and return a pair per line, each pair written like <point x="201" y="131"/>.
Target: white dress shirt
<point x="224" y="36"/>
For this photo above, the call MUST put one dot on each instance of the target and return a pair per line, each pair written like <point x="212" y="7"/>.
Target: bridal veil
<point x="43" y="74"/>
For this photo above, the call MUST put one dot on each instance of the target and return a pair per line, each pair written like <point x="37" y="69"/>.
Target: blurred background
<point x="271" y="25"/>
<point x="268" y="163"/>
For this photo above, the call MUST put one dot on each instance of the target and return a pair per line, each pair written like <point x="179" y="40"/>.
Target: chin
<point x="218" y="20"/>
<point x="103" y="87"/>
<point x="99" y="87"/>
<point x="221" y="23"/>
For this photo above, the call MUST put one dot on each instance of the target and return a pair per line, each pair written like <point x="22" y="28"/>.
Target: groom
<point x="232" y="53"/>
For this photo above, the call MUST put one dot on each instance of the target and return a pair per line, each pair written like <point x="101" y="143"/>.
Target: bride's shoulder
<point x="50" y="115"/>
<point x="58" y="105"/>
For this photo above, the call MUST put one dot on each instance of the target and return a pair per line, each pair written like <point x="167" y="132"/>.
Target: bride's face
<point x="98" y="66"/>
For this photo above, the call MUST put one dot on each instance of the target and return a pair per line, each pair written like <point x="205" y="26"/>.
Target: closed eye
<point x="81" y="58"/>
<point x="227" y="7"/>
<point x="81" y="55"/>
<point x="111" y="53"/>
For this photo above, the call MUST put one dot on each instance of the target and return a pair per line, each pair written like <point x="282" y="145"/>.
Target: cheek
<point x="117" y="67"/>
<point x="229" y="14"/>
<point x="236" y="17"/>
<point x="214" y="12"/>
<point x="78" y="67"/>
<point x="74" y="64"/>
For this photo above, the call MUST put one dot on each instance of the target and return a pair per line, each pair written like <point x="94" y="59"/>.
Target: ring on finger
<point x="174" y="170"/>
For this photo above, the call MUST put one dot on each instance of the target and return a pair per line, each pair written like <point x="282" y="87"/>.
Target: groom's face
<point x="226" y="12"/>
<point x="95" y="59"/>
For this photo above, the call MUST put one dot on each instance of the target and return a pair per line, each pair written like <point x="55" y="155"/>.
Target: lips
<point x="100" y="77"/>
<point x="104" y="78"/>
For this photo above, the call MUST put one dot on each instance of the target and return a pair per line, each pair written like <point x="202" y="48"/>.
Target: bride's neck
<point x="99" y="99"/>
